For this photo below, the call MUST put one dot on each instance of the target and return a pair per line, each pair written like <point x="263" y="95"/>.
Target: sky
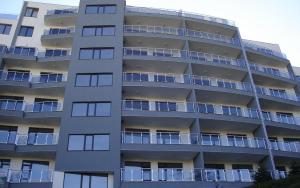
<point x="272" y="21"/>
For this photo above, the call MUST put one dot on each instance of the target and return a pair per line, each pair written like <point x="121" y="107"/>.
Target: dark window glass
<point x="91" y="9"/>
<point x="72" y="181"/>
<point x="76" y="142"/>
<point x="86" y="54"/>
<point x="83" y="80"/>
<point x="101" y="142"/>
<point x="79" y="109"/>
<point x="26" y="31"/>
<point x="5" y="29"/>
<point x="91" y="109"/>
<point x="88" y="31"/>
<point x="101" y="9"/>
<point x="31" y="12"/>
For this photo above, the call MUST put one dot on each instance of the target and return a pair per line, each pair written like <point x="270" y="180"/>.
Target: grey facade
<point x="110" y="95"/>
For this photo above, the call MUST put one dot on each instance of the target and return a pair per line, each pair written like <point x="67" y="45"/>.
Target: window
<point x="55" y="53"/>
<point x="226" y="84"/>
<point x="74" y="180"/>
<point x="17" y="75"/>
<point x="46" y="77"/>
<point x="88" y="142"/>
<point x="40" y="136"/>
<point x="101" y="9"/>
<point x="8" y="134"/>
<point x="26" y="31"/>
<point x="81" y="109"/>
<point x="93" y="80"/>
<point x="5" y="29"/>
<point x="98" y="31"/>
<point x="206" y="108"/>
<point x="96" y="53"/>
<point x="23" y="51"/>
<point x="31" y="12"/>
<point x="281" y="93"/>
<point x="4" y="165"/>
<point x="232" y="110"/>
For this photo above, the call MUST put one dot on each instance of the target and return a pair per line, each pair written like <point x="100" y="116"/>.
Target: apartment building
<point x="107" y="95"/>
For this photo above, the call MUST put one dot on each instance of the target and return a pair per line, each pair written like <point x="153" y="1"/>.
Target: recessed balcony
<point x="61" y="17"/>
<point x="277" y="98"/>
<point x="41" y="178"/>
<point x="58" y="37"/>
<point x="271" y="76"/>
<point x="167" y="86"/>
<point x="184" y="175"/>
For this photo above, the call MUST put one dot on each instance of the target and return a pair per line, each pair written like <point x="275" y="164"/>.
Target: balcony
<point x="10" y="108"/>
<point x="271" y="76"/>
<point x="282" y="124"/>
<point x="61" y="18"/>
<point x="172" y="13"/>
<point x="20" y="55"/>
<point x="44" y="84"/>
<point x="265" y="52"/>
<point x="29" y="176"/>
<point x="184" y="175"/>
<point x="58" y="37"/>
<point x="58" y="58"/>
<point x="209" y="39"/>
<point x="171" y="138"/>
<point x="288" y="146"/>
<point x="277" y="98"/>
<point x="171" y="54"/>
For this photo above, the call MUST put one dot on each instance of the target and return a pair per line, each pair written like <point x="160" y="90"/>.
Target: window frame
<point x="96" y="51"/>
<point x="84" y="144"/>
<point x="90" y="75"/>
<point x="95" y="28"/>
<point x="90" y="175"/>
<point x="34" y="12"/>
<point x="102" y="8"/>
<point x="5" y="30"/>
<point x="95" y="108"/>
<point x="27" y="29"/>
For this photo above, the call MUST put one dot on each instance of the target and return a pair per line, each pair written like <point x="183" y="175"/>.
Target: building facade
<point x="108" y="95"/>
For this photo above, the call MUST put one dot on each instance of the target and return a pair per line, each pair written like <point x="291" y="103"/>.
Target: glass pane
<point x="85" y="181"/>
<point x="79" y="109"/>
<point x="76" y="142"/>
<point x="94" y="79"/>
<point x="86" y="54"/>
<point x="91" y="10"/>
<point x="101" y="142"/>
<point x="72" y="180"/>
<point x="83" y="80"/>
<point x="91" y="109"/>
<point x="110" y="9"/>
<point x="88" y="143"/>
<point x="107" y="53"/>
<point x="88" y="31"/>
<point x="99" y="182"/>
<point x="103" y="109"/>
<point x="108" y="31"/>
<point x="105" y="80"/>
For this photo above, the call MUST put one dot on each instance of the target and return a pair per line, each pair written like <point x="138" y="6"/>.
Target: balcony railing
<point x="287" y="119"/>
<point x="29" y="176"/>
<point x="263" y="50"/>
<point x="154" y="29"/>
<point x="282" y="95"/>
<point x="290" y="146"/>
<point x="37" y="139"/>
<point x="183" y="54"/>
<point x="180" y="32"/>
<point x="15" y="76"/>
<point x="62" y="11"/>
<point x="179" y="13"/>
<point x="270" y="71"/>
<point x="186" y="79"/>
<point x="178" y="174"/>
<point x="8" y="137"/>
<point x="49" y="78"/>
<point x="212" y="36"/>
<point x="59" y="31"/>
<point x="54" y="53"/>
<point x="12" y="105"/>
<point x="21" y="51"/>
<point x="139" y="105"/>
<point x="28" y="77"/>
<point x="45" y="106"/>
<point x="130" y="137"/>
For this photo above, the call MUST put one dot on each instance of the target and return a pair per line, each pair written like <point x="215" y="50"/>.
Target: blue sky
<point x="274" y="21"/>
